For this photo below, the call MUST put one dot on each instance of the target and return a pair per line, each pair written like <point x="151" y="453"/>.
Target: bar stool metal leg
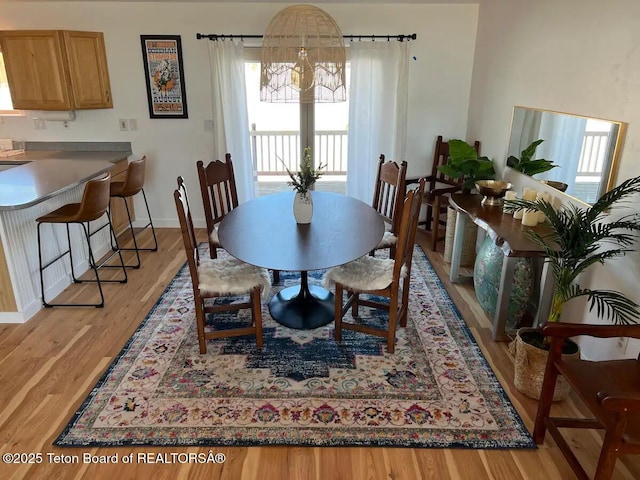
<point x="133" y="235"/>
<point x="136" y="248"/>
<point x="150" y="224"/>
<point x="92" y="263"/>
<point x="117" y="251"/>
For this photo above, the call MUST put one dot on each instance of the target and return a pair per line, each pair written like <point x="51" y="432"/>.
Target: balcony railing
<point x="593" y="157"/>
<point x="272" y="151"/>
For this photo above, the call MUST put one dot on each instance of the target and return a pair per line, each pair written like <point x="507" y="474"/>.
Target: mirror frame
<point x="609" y="181"/>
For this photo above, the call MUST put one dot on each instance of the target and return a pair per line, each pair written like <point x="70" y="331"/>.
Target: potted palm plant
<point x="302" y="181"/>
<point x="578" y="238"/>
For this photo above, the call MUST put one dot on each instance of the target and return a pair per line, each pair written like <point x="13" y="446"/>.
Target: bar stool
<point x="132" y="184"/>
<point x="94" y="204"/>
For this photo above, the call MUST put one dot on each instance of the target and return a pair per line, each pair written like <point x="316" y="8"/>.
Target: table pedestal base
<point x="303" y="307"/>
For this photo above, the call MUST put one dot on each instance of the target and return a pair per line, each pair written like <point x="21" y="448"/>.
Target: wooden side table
<point x="510" y="235"/>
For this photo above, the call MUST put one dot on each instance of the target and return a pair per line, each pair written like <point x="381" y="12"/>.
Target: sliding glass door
<point x="280" y="131"/>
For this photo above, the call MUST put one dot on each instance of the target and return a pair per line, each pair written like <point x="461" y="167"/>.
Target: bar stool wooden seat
<point x="133" y="184"/>
<point x="94" y="204"/>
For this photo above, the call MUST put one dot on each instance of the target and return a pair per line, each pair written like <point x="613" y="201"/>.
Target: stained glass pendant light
<point x="303" y="57"/>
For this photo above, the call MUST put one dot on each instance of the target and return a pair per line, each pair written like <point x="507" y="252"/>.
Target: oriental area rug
<point x="303" y="388"/>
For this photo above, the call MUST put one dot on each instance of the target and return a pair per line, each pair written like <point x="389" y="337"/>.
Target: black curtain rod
<point x="400" y="38"/>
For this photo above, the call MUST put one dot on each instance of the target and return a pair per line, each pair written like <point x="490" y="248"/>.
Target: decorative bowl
<point x="493" y="191"/>
<point x="557" y="185"/>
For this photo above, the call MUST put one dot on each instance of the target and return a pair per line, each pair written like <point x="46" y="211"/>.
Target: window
<point x="280" y="130"/>
<point x="6" y="107"/>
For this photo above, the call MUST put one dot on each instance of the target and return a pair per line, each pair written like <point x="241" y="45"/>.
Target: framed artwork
<point x="164" y="74"/>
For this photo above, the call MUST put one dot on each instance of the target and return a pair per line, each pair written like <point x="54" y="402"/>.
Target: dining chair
<point x="610" y="389"/>
<point x="219" y="277"/>
<point x="438" y="189"/>
<point x="219" y="197"/>
<point x="379" y="277"/>
<point x="388" y="198"/>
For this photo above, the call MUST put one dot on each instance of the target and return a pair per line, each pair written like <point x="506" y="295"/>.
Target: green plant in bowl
<point x="526" y="164"/>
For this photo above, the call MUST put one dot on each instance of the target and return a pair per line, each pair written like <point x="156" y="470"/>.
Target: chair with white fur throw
<point x="212" y="278"/>
<point x="385" y="277"/>
<point x="387" y="200"/>
<point x="219" y="197"/>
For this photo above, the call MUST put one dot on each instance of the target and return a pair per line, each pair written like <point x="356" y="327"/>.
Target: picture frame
<point x="164" y="76"/>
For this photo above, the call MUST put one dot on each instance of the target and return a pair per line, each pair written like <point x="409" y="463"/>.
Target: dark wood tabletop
<point x="263" y="232"/>
<point x="508" y="233"/>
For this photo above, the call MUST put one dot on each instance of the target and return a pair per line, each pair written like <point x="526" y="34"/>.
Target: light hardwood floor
<point x="50" y="364"/>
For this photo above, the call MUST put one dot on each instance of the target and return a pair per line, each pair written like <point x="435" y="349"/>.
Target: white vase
<point x="303" y="207"/>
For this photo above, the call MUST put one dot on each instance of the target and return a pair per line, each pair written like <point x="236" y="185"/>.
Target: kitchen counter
<point x="35" y="183"/>
<point x="40" y="175"/>
<point x="30" y="156"/>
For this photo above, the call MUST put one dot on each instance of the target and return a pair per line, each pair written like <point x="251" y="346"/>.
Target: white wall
<point x="440" y="76"/>
<point x="581" y="57"/>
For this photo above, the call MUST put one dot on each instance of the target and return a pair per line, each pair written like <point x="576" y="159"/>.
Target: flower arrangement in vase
<point x="302" y="181"/>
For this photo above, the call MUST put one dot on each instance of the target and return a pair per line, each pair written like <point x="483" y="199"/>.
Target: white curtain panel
<point x="563" y="136"/>
<point x="377" y="111"/>
<point x="230" y="117"/>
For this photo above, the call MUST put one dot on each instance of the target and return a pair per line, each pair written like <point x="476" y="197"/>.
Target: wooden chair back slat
<point x="407" y="230"/>
<point x="390" y="190"/>
<point x="188" y="233"/>
<point x="219" y="194"/>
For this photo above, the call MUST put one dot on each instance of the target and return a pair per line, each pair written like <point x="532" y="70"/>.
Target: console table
<point x="510" y="235"/>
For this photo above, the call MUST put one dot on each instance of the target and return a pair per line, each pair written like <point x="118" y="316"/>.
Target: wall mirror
<point x="586" y="149"/>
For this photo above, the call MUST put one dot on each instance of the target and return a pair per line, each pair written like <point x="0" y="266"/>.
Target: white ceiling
<point x="264" y="1"/>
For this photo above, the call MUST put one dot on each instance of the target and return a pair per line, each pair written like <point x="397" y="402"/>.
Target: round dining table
<point x="263" y="232"/>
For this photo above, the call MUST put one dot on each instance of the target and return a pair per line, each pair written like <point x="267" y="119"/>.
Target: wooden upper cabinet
<point x="56" y="69"/>
<point x="88" y="69"/>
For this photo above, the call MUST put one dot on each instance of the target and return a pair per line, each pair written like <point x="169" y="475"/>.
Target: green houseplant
<point x="302" y="181"/>
<point x="578" y="239"/>
<point x="306" y="176"/>
<point x="465" y="163"/>
<point x="526" y="164"/>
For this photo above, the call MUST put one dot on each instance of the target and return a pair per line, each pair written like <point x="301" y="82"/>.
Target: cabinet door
<point x="36" y="69"/>
<point x="88" y="69"/>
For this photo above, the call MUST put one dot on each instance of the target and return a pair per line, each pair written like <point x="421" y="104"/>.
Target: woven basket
<point x="530" y="363"/>
<point x="468" y="256"/>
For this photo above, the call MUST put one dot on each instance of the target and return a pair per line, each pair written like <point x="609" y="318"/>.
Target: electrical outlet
<point x="124" y="124"/>
<point x="39" y="124"/>
<point x="133" y="124"/>
<point x="622" y="344"/>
